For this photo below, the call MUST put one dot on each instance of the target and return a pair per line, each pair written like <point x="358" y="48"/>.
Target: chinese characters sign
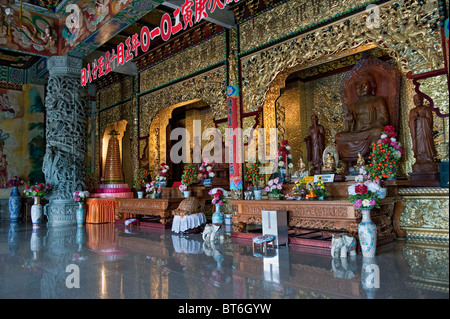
<point x="190" y="13"/>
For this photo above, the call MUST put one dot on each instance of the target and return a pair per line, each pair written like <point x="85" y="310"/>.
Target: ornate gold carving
<point x="194" y="59"/>
<point x="289" y="17"/>
<point x="261" y="69"/>
<point x="115" y="93"/>
<point x="208" y="87"/>
<point x="427" y="212"/>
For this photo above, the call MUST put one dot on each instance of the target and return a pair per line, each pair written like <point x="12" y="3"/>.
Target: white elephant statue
<point x="209" y="233"/>
<point x="343" y="243"/>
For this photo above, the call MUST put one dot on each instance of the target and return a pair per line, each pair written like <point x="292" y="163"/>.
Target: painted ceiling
<point x="83" y="28"/>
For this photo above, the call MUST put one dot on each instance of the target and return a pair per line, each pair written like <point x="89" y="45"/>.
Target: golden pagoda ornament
<point x="113" y="173"/>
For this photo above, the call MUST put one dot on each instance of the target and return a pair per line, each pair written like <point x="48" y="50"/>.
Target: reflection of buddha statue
<point x="365" y="119"/>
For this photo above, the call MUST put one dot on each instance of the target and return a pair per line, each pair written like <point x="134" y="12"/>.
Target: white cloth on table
<point x="183" y="223"/>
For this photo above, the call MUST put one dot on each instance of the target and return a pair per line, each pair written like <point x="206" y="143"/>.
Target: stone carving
<point x="64" y="164"/>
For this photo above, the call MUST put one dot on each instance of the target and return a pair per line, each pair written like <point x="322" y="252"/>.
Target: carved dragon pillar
<point x="64" y="163"/>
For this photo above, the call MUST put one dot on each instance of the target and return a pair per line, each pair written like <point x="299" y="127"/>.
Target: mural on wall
<point x="22" y="135"/>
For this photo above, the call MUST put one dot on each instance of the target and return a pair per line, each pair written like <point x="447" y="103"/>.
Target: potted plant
<point x="363" y="196"/>
<point x="205" y="173"/>
<point x="80" y="197"/>
<point x="188" y="178"/>
<point x="163" y="174"/>
<point x="37" y="191"/>
<point x="384" y="156"/>
<point x="254" y="177"/>
<point x="319" y="189"/>
<point x="300" y="189"/>
<point x="150" y="189"/>
<point x="284" y="158"/>
<point x="14" y="198"/>
<point x="140" y="181"/>
<point x="274" y="188"/>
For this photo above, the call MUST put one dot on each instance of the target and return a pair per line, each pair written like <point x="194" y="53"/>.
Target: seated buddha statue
<point x="364" y="121"/>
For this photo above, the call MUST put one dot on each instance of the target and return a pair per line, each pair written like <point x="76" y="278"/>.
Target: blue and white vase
<point x="207" y="182"/>
<point x="367" y="232"/>
<point x="217" y="217"/>
<point x="14" y="204"/>
<point x="36" y="212"/>
<point x="258" y="194"/>
<point x="81" y="215"/>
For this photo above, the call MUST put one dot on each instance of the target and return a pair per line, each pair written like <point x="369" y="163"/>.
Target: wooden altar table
<point x="161" y="207"/>
<point x="100" y="210"/>
<point x="330" y="215"/>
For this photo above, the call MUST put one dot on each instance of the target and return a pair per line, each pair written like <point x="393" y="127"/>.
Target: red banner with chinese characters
<point x="235" y="144"/>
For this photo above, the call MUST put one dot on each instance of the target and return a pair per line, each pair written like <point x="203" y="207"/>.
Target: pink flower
<point x="220" y="202"/>
<point x="373" y="202"/>
<point x="358" y="203"/>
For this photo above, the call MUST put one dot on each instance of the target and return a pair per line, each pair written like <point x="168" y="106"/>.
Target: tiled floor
<point x="105" y="261"/>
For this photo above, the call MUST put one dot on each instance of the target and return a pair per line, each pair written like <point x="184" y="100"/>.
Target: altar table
<point x="100" y="210"/>
<point x="161" y="207"/>
<point x="335" y="215"/>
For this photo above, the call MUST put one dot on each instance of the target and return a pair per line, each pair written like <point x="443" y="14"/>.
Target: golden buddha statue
<point x="364" y="121"/>
<point x="329" y="164"/>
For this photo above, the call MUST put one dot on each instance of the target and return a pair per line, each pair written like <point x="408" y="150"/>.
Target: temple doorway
<point x="160" y="144"/>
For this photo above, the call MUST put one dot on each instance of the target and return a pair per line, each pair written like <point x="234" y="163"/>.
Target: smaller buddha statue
<point x="360" y="162"/>
<point x="329" y="164"/>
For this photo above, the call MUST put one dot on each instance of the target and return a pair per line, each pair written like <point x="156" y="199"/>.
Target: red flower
<point x="285" y="142"/>
<point x="361" y="189"/>
<point x="389" y="129"/>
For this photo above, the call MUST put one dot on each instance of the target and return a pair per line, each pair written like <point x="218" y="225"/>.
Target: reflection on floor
<point x="113" y="262"/>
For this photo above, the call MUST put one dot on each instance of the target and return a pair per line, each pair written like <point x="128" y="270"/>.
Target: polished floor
<point x="107" y="261"/>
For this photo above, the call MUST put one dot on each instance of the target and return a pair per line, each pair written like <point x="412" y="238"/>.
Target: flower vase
<point x="367" y="231"/>
<point x="36" y="212"/>
<point x="217" y="217"/>
<point x="153" y="195"/>
<point x="258" y="194"/>
<point x="140" y="194"/>
<point x="207" y="182"/>
<point x="81" y="215"/>
<point x="321" y="198"/>
<point x="186" y="194"/>
<point x="14" y="204"/>
<point x="382" y="193"/>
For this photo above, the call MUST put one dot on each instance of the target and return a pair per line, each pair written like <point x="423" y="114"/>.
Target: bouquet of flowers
<point x="80" y="196"/>
<point x="299" y="185"/>
<point x="253" y="174"/>
<point x="15" y="181"/>
<point x="384" y="155"/>
<point x="218" y="195"/>
<point x="274" y="186"/>
<point x="189" y="176"/>
<point x="163" y="173"/>
<point x="284" y="156"/>
<point x="141" y="178"/>
<point x="205" y="170"/>
<point x="363" y="194"/>
<point x="150" y="188"/>
<point x="319" y="188"/>
<point x="37" y="190"/>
